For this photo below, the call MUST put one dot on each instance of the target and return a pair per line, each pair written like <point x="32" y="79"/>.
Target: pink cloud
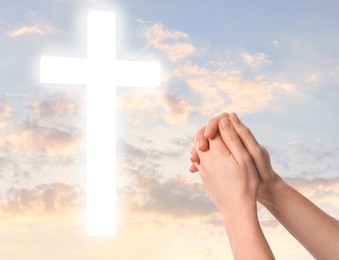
<point x="29" y="139"/>
<point x="171" y="42"/>
<point x="39" y="29"/>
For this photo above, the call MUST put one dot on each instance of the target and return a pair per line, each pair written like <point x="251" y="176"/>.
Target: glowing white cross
<point x="100" y="71"/>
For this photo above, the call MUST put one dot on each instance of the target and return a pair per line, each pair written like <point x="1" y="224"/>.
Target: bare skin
<point x="230" y="178"/>
<point x="313" y="228"/>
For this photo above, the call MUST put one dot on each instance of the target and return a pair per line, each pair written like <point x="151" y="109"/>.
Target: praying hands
<point x="236" y="173"/>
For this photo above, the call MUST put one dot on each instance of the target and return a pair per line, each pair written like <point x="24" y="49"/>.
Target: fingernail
<point x="225" y="124"/>
<point x="235" y="118"/>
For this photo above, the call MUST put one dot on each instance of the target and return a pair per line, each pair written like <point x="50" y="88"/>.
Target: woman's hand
<point x="230" y="178"/>
<point x="228" y="173"/>
<point x="267" y="177"/>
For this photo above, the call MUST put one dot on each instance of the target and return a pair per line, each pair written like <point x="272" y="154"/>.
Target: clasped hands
<point x="236" y="172"/>
<point x="235" y="169"/>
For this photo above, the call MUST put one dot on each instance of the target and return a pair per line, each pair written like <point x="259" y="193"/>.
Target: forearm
<point x="245" y="235"/>
<point x="313" y="228"/>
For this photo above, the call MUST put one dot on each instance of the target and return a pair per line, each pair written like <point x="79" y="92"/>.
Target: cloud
<point x="230" y="87"/>
<point x="176" y="109"/>
<point x="5" y="111"/>
<point x="255" y="60"/>
<point x="228" y="90"/>
<point x="182" y="196"/>
<point x="314" y="159"/>
<point x="175" y="210"/>
<point x="55" y="106"/>
<point x="316" y="185"/>
<point x="275" y="42"/>
<point x="148" y="152"/>
<point x="323" y="192"/>
<point x="178" y="196"/>
<point x="31" y="139"/>
<point x="160" y="105"/>
<point x="171" y="42"/>
<point x="43" y="199"/>
<point x="146" y="235"/>
<point x="149" y="191"/>
<point x="38" y="29"/>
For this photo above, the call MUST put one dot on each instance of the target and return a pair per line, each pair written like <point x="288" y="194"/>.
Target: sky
<point x="274" y="63"/>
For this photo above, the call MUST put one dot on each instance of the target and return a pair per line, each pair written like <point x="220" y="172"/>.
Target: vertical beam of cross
<point x="101" y="72"/>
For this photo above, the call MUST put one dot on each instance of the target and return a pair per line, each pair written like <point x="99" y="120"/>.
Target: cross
<point x="101" y="72"/>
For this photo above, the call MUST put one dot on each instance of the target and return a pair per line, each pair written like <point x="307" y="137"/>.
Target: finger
<point x="197" y="147"/>
<point x="200" y="140"/>
<point x="194" y="157"/>
<point x="232" y="140"/>
<point x="193" y="168"/>
<point x="244" y="133"/>
<point x="257" y="152"/>
<point x="212" y="126"/>
<point x="218" y="144"/>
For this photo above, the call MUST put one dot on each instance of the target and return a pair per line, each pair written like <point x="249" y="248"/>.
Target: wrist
<point x="269" y="192"/>
<point x="238" y="211"/>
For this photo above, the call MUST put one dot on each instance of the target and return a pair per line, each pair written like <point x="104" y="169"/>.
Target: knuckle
<point x="259" y="151"/>
<point x="232" y="136"/>
<point x="265" y="152"/>
<point x="246" y="157"/>
<point x="247" y="131"/>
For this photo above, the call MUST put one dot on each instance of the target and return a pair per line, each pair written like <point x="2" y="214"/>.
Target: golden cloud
<point x="171" y="42"/>
<point x="40" y="29"/>
<point x="162" y="106"/>
<point x="219" y="89"/>
<point x="255" y="60"/>
<point x="227" y="90"/>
